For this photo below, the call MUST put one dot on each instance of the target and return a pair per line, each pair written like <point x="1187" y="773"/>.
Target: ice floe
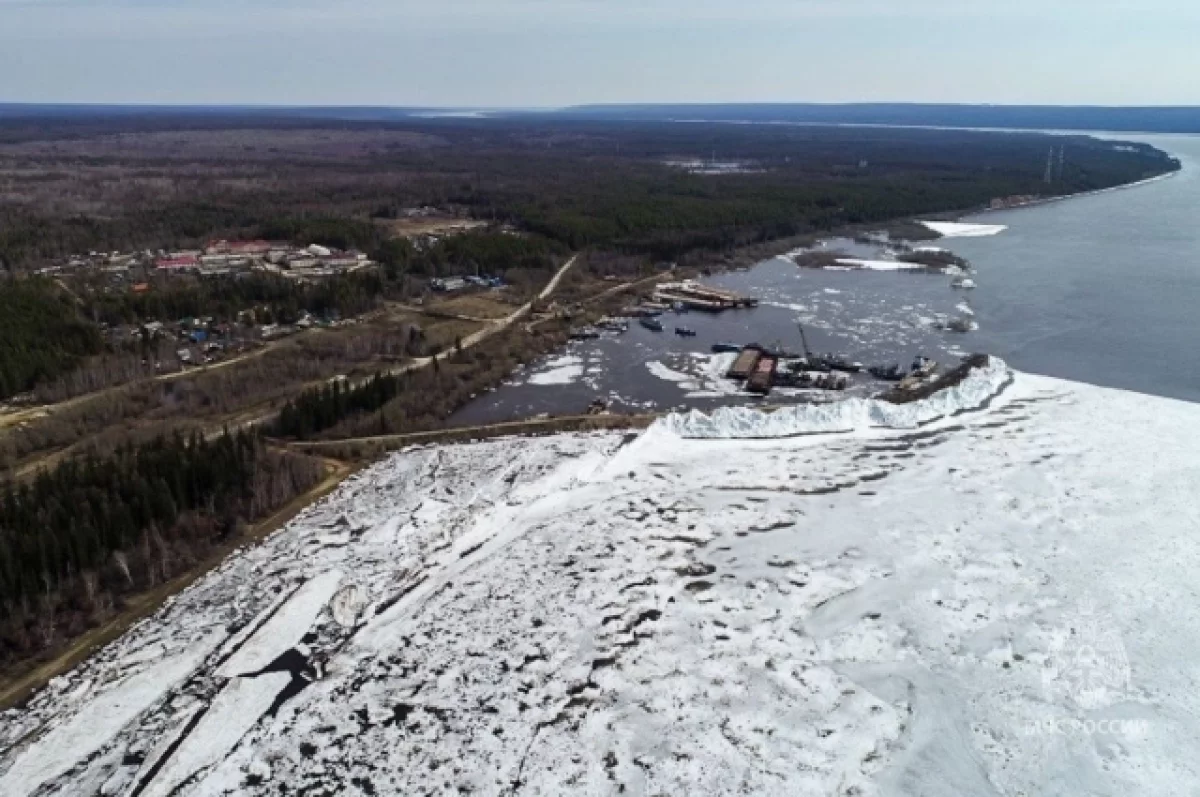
<point x="284" y="628"/>
<point x="560" y="371"/>
<point x="841" y="416"/>
<point x="952" y="229"/>
<point x="880" y="265"/>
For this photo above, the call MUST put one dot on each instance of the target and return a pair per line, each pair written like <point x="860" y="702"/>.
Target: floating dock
<point x="745" y="363"/>
<point x="764" y="375"/>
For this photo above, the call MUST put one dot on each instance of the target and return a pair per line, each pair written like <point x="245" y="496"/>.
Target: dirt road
<point x="493" y="327"/>
<point x="557" y="423"/>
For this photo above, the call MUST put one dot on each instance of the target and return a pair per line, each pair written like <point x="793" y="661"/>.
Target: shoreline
<point x="1158" y="178"/>
<point x="20" y="686"/>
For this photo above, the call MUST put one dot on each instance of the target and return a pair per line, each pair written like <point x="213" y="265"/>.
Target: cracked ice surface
<point x="871" y="611"/>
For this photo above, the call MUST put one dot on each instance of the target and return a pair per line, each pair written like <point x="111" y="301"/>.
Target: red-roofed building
<point x="239" y="247"/>
<point x="177" y="263"/>
<point x="249" y="247"/>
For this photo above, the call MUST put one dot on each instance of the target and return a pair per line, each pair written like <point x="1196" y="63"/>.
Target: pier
<point x="695" y="296"/>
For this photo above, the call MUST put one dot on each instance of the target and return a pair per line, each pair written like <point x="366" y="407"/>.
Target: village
<point x="218" y="258"/>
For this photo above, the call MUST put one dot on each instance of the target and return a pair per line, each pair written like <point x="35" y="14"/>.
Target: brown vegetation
<point x="819" y="259"/>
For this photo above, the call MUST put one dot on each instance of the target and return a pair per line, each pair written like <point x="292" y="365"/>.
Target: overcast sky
<point x="559" y="52"/>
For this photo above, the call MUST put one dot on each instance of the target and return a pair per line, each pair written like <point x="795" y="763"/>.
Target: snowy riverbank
<point x="984" y="593"/>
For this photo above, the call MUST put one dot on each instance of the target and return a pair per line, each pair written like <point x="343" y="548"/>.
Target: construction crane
<point x="804" y="342"/>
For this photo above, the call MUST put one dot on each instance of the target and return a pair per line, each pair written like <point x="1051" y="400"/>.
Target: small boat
<point x="922" y="367"/>
<point x="726" y="348"/>
<point x="963" y="283"/>
<point x="684" y="332"/>
<point x="834" y="363"/>
<point x="584" y="334"/>
<point x="652" y="324"/>
<point x="809" y="379"/>
<point x="831" y="381"/>
<point x="892" y="373"/>
<point x="960" y="324"/>
<point x="612" y="325"/>
<point x="808" y="364"/>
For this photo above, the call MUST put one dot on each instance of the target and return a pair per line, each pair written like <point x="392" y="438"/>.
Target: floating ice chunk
<point x="285" y="628"/>
<point x="880" y="265"/>
<point x="843" y="416"/>
<point x="560" y="371"/>
<point x="952" y="229"/>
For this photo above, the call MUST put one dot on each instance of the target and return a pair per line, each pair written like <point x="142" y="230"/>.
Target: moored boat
<point x="923" y="367"/>
<point x="891" y="373"/>
<point x="831" y="362"/>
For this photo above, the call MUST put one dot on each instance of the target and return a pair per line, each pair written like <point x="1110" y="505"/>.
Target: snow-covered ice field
<point x="988" y="593"/>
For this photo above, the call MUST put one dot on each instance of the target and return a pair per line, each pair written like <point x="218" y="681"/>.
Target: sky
<point x="551" y="53"/>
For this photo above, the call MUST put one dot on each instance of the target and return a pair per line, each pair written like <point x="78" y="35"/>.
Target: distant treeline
<point x="580" y="182"/>
<point x="1017" y="117"/>
<point x="490" y="253"/>
<point x="76" y="538"/>
<point x="275" y="299"/>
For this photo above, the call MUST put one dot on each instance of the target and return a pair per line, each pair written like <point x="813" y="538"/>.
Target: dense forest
<point x="322" y="408"/>
<point x="579" y="182"/>
<point x="77" y="538"/>
<point x="41" y="334"/>
<point x="275" y="299"/>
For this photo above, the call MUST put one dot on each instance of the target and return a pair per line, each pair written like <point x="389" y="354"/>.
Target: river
<point x="1103" y="289"/>
<point x="1100" y="288"/>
